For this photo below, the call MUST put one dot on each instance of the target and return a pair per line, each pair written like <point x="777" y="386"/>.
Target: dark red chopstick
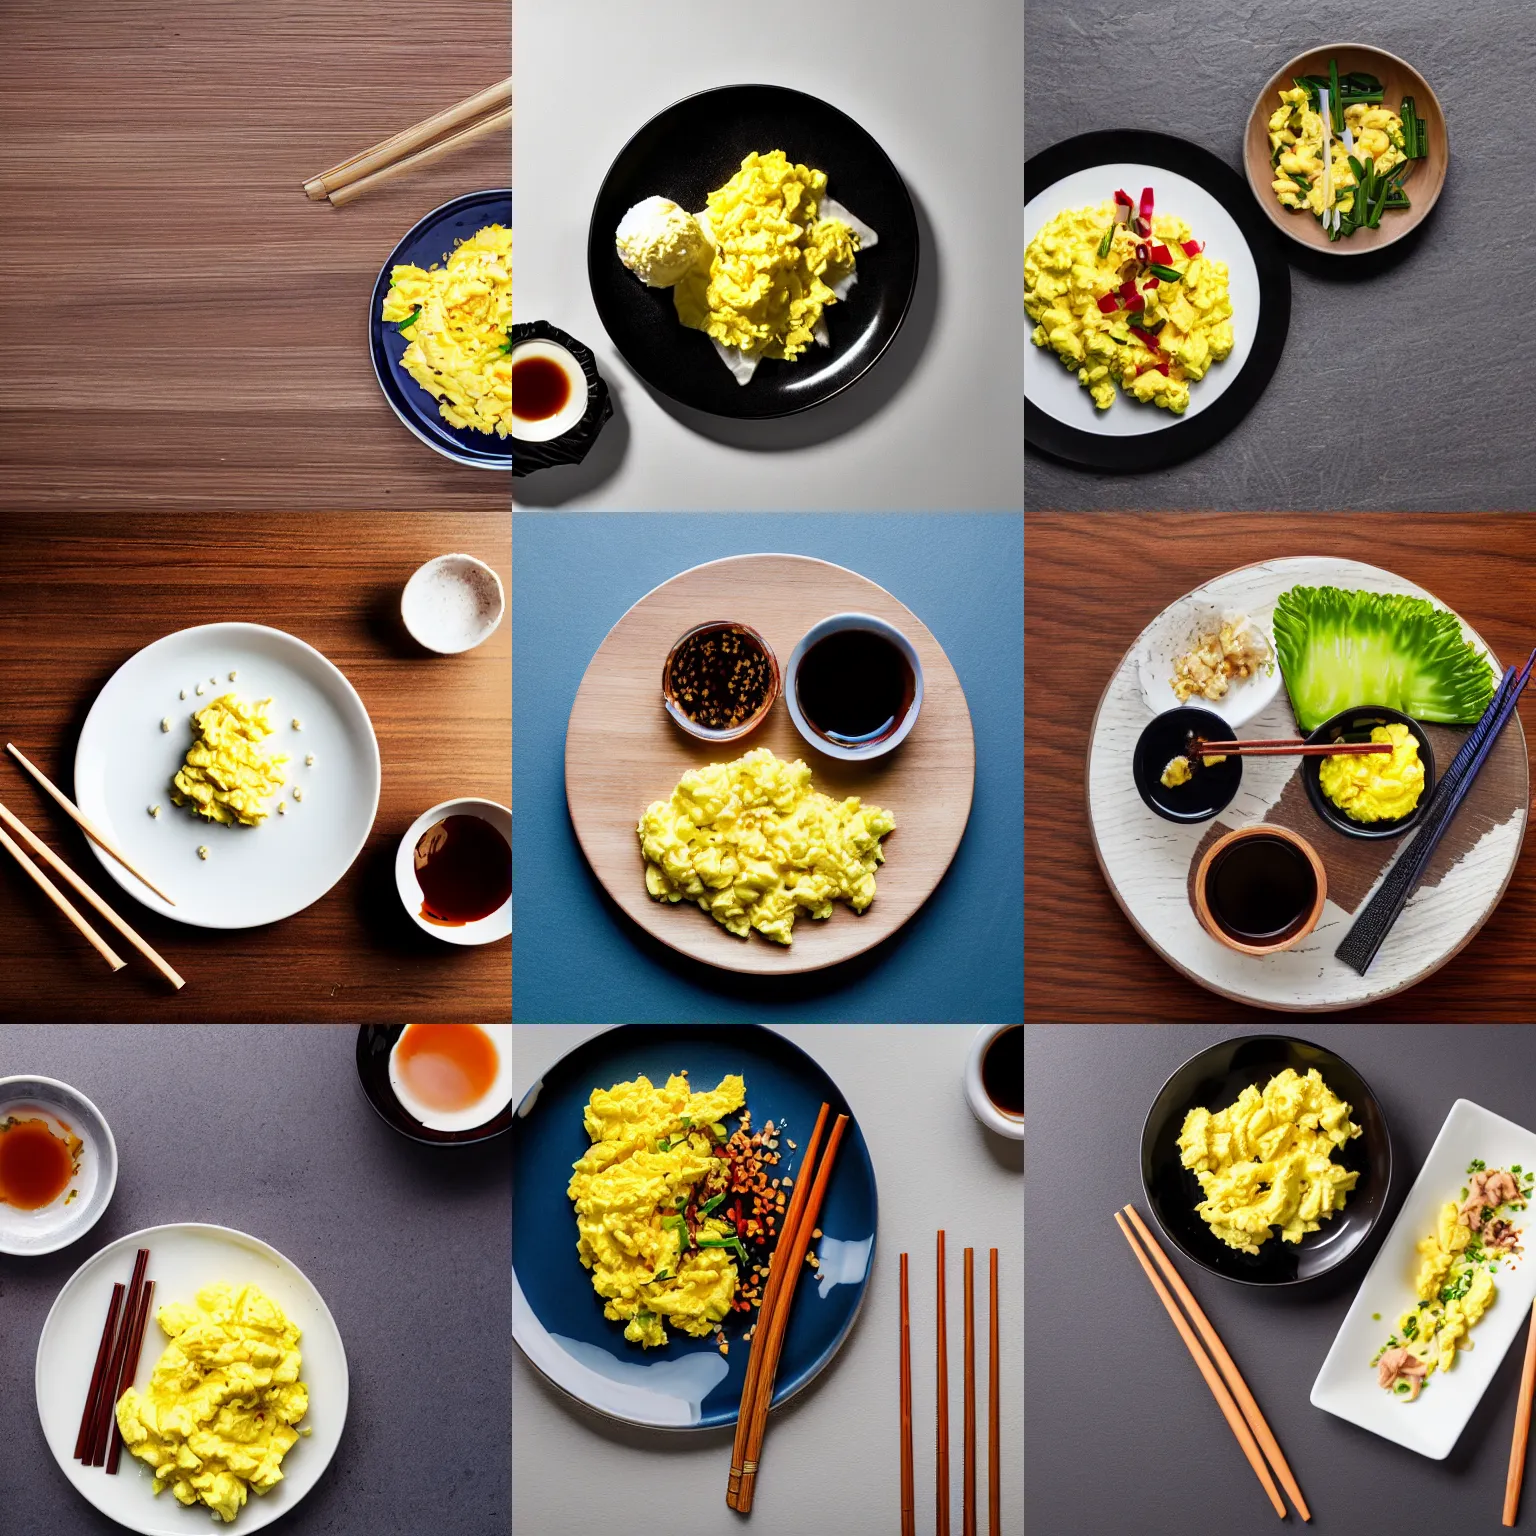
<point x="106" y="1403"/>
<point x="130" y="1370"/>
<point x="103" y="1352"/>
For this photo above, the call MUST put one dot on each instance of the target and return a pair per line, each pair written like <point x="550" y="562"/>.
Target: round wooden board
<point x="622" y="752"/>
<point x="1147" y="861"/>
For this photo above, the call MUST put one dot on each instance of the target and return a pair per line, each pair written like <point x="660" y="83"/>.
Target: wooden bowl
<point x="1423" y="183"/>
<point x="1244" y="834"/>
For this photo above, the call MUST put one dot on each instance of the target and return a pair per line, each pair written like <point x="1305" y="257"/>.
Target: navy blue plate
<point x="431" y="243"/>
<point x="557" y="1318"/>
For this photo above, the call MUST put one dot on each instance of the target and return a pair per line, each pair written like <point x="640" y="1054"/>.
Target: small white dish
<point x="1173" y="633"/>
<point x="62" y="1109"/>
<point x="839" y="623"/>
<point x="452" y="604"/>
<point x="1346" y="1386"/>
<point x="184" y="1257"/>
<point x="557" y="425"/>
<point x="495" y="1101"/>
<point x="486" y="930"/>
<point x="976" y="1096"/>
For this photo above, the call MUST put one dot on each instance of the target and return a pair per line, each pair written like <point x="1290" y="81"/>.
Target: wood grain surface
<point x="79" y="595"/>
<point x="1091" y="582"/>
<point x="622" y="752"/>
<point x="183" y="326"/>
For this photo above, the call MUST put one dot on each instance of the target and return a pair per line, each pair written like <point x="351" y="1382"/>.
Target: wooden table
<point x="183" y="327"/>
<point x="80" y="594"/>
<point x="1092" y="581"/>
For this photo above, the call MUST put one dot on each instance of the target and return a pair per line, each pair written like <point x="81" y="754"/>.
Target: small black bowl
<point x="1167" y="737"/>
<point x="572" y="446"/>
<point x="374" y="1044"/>
<point x="1212" y="1080"/>
<point x="1356" y="724"/>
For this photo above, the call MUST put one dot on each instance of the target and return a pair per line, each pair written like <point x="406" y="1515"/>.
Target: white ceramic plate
<point x="182" y="1258"/>
<point x="253" y="875"/>
<point x="1346" y="1385"/>
<point x="1172" y="633"/>
<point x="63" y="1109"/>
<point x="1053" y="387"/>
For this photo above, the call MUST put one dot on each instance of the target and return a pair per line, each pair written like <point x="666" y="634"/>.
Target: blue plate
<point x="431" y="243"/>
<point x="557" y="1318"/>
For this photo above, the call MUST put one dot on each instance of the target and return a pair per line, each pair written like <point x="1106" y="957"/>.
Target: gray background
<point x="1332" y="430"/>
<point x="935" y="425"/>
<point x="265" y="1128"/>
<point x="832" y="1461"/>
<point x="1109" y="1372"/>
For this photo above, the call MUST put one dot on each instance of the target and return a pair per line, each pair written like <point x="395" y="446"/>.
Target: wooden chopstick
<point x="765" y="1310"/>
<point x="130" y="1370"/>
<point x="408" y="139"/>
<point x="84" y="822"/>
<point x="1227" y="1366"/>
<point x="786" y="1298"/>
<point x="106" y="1408"/>
<point x="103" y="1353"/>
<point x="1285" y="749"/>
<point x="498" y="122"/>
<point x="941" y="1405"/>
<point x="968" y="1483"/>
<point x="1518" y="1445"/>
<point x="1224" y="1400"/>
<point x="908" y="1511"/>
<point x="994" y="1426"/>
<point x="63" y="903"/>
<point x="57" y="864"/>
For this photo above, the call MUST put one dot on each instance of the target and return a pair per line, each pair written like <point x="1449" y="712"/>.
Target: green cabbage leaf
<point x="1338" y="649"/>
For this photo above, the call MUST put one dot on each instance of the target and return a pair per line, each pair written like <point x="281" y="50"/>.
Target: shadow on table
<point x="1362" y="268"/>
<point x="564" y="483"/>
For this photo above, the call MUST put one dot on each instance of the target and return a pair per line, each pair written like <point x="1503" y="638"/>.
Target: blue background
<point x="577" y="958"/>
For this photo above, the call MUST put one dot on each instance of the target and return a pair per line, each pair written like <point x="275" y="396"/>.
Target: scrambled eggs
<point x="1178" y="771"/>
<point x="652" y="1159"/>
<point x="772" y="263"/>
<point x="459" y="321"/>
<point x="217" y="1417"/>
<point x="1178" y="327"/>
<point x="1454" y="1284"/>
<point x="1267" y="1160"/>
<point x="229" y="776"/>
<point x="1296" y="136"/>
<point x="754" y="844"/>
<point x="1376" y="787"/>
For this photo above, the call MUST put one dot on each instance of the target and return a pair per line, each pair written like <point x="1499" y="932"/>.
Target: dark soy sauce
<point x="1261" y="889"/>
<point x="464" y="868"/>
<point x="540" y="388"/>
<point x="854" y="687"/>
<point x="1002" y="1071"/>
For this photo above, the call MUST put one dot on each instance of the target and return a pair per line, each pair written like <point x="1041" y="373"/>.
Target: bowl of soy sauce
<point x="855" y="686"/>
<point x="1260" y="889"/>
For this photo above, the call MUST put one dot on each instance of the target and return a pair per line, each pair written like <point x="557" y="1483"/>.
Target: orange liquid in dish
<point x="35" y="1165"/>
<point x="447" y="1066"/>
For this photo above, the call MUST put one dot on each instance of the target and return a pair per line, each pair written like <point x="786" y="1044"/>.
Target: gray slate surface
<point x="265" y="1128"/>
<point x="1328" y="434"/>
<point x="1121" y="1434"/>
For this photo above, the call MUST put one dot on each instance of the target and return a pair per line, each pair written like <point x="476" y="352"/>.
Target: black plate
<point x="1167" y="737"/>
<point x="374" y="1043"/>
<point x="684" y="153"/>
<point x="1356" y="724"/>
<point x="1212" y="1080"/>
<point x="1184" y="436"/>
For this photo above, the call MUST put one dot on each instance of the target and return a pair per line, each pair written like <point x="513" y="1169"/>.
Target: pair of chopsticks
<point x="65" y="873"/>
<point x="476" y="117"/>
<point x="773" y="1313"/>
<point x="1292" y="746"/>
<point x="941" y="1416"/>
<point x="99" y="1443"/>
<point x="1522" y="1434"/>
<point x="1228" y="1387"/>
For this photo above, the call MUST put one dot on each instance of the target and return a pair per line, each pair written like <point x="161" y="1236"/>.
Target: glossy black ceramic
<point x="1356" y="725"/>
<point x="374" y="1043"/>
<point x="1166" y="737"/>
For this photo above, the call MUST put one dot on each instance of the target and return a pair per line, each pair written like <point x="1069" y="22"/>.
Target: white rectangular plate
<point x="1346" y="1385"/>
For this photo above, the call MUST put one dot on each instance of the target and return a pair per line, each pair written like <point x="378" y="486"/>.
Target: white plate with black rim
<point x="1060" y="418"/>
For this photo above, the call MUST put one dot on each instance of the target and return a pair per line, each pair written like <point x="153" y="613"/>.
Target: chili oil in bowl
<point x="719" y="680"/>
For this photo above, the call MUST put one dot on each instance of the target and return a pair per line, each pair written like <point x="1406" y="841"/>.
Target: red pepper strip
<point x="1162" y="368"/>
<point x="1109" y="303"/>
<point x="1128" y="288"/>
<point x="1123" y="197"/>
<point x="1146" y="207"/>
<point x="1141" y="250"/>
<point x="1192" y="247"/>
<point x="1135" y="304"/>
<point x="1151" y="282"/>
<point x="1148" y="340"/>
<point x="1162" y="255"/>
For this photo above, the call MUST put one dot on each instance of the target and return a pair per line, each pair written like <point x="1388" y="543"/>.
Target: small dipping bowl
<point x="494" y="925"/>
<point x="1236" y="844"/>
<point x="1209" y="790"/>
<point x="1356" y="724"/>
<point x="559" y="400"/>
<point x="63" y="1220"/>
<point x="902" y="721"/>
<point x="376" y="1045"/>
<point x="988" y="1055"/>
<point x="452" y="604"/>
<point x="671" y="679"/>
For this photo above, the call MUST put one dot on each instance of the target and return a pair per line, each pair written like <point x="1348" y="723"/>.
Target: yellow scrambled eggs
<point x="459" y="321"/>
<point x="652" y="1155"/>
<point x="1296" y="131"/>
<point x="763" y="282"/>
<point x="217" y="1417"/>
<point x="229" y="775"/>
<point x="1379" y="787"/>
<point x="1267" y="1160"/>
<point x="1184" y="326"/>
<point x="755" y="845"/>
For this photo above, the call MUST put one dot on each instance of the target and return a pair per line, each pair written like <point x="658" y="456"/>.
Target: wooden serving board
<point x="622" y="752"/>
<point x="1150" y="863"/>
